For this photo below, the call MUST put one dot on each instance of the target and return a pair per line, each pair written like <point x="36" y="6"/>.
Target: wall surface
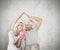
<point x="48" y="10"/>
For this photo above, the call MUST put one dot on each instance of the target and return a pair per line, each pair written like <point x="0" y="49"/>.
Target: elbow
<point x="40" y="20"/>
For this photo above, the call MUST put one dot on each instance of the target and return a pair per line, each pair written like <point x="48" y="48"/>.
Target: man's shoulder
<point x="32" y="30"/>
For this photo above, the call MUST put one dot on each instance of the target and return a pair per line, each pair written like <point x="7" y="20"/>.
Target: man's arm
<point x="39" y="20"/>
<point x="16" y="21"/>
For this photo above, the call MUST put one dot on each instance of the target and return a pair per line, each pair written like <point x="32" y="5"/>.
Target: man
<point x="32" y="26"/>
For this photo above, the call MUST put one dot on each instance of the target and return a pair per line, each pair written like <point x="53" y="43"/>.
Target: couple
<point x="18" y="33"/>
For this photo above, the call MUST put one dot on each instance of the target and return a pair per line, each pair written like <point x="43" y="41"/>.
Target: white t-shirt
<point x="12" y="37"/>
<point x="32" y="35"/>
<point x="11" y="46"/>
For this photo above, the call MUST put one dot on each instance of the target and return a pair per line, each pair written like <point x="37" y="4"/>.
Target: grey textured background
<point x="48" y="10"/>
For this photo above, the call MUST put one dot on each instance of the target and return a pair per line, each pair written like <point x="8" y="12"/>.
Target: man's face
<point x="28" y="25"/>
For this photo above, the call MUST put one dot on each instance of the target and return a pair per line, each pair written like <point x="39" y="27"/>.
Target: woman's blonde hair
<point x="16" y="26"/>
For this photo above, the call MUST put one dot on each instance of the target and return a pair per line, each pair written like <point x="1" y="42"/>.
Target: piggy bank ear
<point x="22" y="34"/>
<point x="24" y="31"/>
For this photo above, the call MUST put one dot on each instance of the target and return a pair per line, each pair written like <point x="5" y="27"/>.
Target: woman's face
<point x="20" y="27"/>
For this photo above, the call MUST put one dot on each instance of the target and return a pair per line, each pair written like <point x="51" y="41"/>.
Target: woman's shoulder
<point x="9" y="33"/>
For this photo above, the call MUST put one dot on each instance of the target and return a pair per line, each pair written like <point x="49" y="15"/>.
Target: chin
<point x="20" y="30"/>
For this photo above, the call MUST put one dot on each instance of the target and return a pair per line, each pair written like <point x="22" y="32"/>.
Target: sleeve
<point x="10" y="36"/>
<point x="34" y="25"/>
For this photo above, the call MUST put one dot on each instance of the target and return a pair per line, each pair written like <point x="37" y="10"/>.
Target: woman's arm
<point x="16" y="21"/>
<point x="15" y="41"/>
<point x="26" y="14"/>
<point x="19" y="43"/>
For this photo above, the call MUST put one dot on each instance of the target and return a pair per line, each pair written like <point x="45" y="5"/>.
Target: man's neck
<point x="28" y="29"/>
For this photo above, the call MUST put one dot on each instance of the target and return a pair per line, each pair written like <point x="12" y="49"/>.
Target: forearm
<point x="19" y="43"/>
<point x="15" y="42"/>
<point x="27" y="15"/>
<point x="36" y="18"/>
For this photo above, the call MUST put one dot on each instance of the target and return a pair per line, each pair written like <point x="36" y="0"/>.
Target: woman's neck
<point x="15" y="33"/>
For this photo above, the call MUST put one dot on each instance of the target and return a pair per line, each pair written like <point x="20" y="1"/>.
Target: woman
<point x="14" y="35"/>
